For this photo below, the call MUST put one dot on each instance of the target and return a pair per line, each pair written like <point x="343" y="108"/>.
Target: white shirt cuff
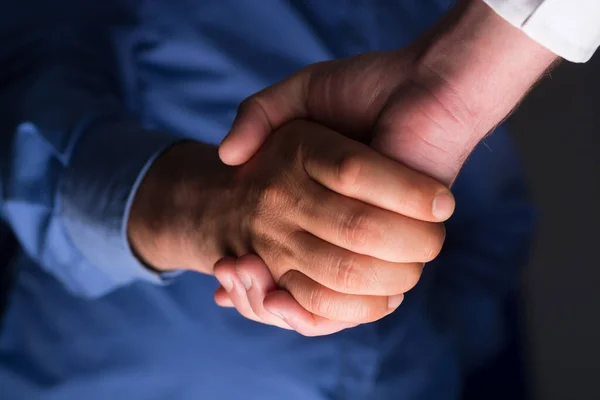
<point x="568" y="28"/>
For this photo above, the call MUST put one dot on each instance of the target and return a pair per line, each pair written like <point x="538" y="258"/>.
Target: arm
<point x="71" y="156"/>
<point x="470" y="71"/>
<point x="428" y="104"/>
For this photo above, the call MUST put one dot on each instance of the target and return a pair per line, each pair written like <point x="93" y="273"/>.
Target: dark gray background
<point x="558" y="131"/>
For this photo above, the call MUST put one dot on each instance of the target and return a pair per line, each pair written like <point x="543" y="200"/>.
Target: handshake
<point x="306" y="226"/>
<point x="342" y="232"/>
<point x="330" y="232"/>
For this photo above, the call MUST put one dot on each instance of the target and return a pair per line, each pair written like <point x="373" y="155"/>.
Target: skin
<point x="342" y="228"/>
<point x="426" y="106"/>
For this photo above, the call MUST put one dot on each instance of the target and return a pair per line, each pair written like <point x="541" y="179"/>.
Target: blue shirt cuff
<point x="105" y="168"/>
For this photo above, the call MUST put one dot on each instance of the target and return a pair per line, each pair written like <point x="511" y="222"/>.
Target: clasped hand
<point x="336" y="231"/>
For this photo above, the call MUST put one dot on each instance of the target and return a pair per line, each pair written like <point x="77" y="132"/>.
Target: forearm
<point x="479" y="66"/>
<point x="181" y="214"/>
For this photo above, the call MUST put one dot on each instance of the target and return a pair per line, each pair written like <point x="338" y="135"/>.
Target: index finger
<point x="354" y="170"/>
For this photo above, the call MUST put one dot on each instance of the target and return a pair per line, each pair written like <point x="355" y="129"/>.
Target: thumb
<point x="263" y="113"/>
<point x="431" y="132"/>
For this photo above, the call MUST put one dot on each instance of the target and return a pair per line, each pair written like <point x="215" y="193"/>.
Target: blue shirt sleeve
<point x="70" y="156"/>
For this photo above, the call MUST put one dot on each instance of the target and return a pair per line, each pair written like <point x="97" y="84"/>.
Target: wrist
<point x="479" y="65"/>
<point x="178" y="217"/>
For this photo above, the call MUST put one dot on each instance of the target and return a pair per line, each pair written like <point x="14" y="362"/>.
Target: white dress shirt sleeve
<point x="569" y="28"/>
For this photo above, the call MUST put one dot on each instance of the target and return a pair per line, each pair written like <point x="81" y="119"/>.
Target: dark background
<point x="558" y="131"/>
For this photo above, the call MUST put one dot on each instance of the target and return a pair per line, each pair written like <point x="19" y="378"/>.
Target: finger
<point x="222" y="298"/>
<point x="261" y="114"/>
<point x="346" y="272"/>
<point x="368" y="230"/>
<point x="238" y="284"/>
<point x="322" y="301"/>
<point x="353" y="169"/>
<point x="252" y="318"/>
<point x="282" y="304"/>
<point x="297" y="318"/>
<point x="225" y="272"/>
<point x="253" y="270"/>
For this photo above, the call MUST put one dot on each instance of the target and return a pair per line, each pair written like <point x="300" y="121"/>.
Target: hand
<point x="427" y="105"/>
<point x="342" y="228"/>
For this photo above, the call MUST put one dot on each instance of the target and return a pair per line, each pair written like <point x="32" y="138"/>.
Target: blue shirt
<point x="93" y="93"/>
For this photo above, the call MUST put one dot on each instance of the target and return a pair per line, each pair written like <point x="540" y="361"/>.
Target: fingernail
<point x="443" y="206"/>
<point x="226" y="283"/>
<point x="395" y="301"/>
<point x="245" y="278"/>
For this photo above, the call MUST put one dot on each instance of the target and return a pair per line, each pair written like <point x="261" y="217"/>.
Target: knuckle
<point x="358" y="310"/>
<point x="434" y="242"/>
<point x="317" y="302"/>
<point x="285" y="279"/>
<point x="272" y="198"/>
<point x="406" y="195"/>
<point x="365" y="313"/>
<point x="248" y="105"/>
<point x="259" y="271"/>
<point x="349" y="171"/>
<point x="346" y="272"/>
<point x="281" y="262"/>
<point x="254" y="221"/>
<point x="366" y="309"/>
<point x="273" y="194"/>
<point x="224" y="270"/>
<point x="357" y="228"/>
